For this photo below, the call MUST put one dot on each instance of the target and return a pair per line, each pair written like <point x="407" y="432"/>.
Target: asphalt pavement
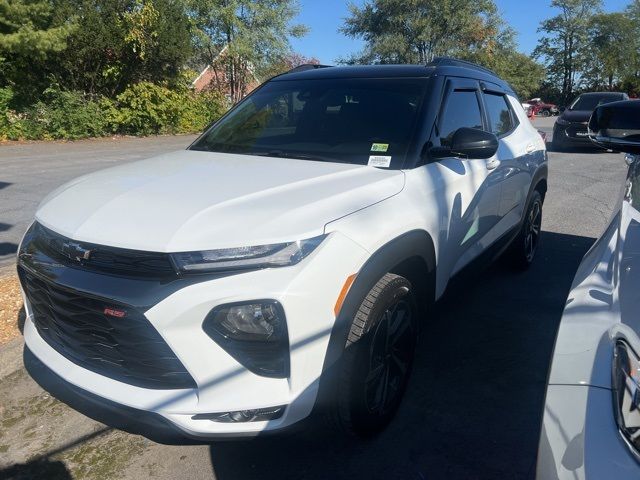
<point x="474" y="403"/>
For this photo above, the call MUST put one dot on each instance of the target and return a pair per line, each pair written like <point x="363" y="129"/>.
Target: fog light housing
<point x="626" y="393"/>
<point x="243" y="416"/>
<point x="254" y="333"/>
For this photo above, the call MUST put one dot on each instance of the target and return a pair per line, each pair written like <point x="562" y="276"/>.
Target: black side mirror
<point x="562" y="109"/>
<point x="616" y="126"/>
<point x="473" y="143"/>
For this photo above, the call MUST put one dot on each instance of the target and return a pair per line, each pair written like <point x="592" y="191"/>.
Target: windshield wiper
<point x="298" y="156"/>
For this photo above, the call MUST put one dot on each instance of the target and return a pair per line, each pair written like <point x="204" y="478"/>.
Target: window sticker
<point x="379" y="147"/>
<point x="382" y="161"/>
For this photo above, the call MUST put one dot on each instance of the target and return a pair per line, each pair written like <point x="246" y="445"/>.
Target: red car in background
<point x="542" y="109"/>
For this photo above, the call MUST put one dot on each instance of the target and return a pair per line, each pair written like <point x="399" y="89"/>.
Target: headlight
<point x="563" y="122"/>
<point x="253" y="333"/>
<point x="262" y="256"/>
<point x="626" y="392"/>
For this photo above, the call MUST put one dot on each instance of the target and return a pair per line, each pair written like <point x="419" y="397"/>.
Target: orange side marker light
<point x="343" y="293"/>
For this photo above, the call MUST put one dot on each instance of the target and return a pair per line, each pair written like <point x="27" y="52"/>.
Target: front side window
<point x="461" y="110"/>
<point x="335" y="120"/>
<point x="500" y="118"/>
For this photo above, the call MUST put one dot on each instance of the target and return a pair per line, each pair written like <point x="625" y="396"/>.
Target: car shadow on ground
<point x="474" y="404"/>
<point x="593" y="150"/>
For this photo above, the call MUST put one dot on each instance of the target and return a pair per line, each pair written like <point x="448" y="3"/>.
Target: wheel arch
<point x="411" y="255"/>
<point x="539" y="182"/>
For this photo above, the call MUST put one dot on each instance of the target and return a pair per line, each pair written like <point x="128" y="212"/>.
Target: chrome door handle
<point x="493" y="164"/>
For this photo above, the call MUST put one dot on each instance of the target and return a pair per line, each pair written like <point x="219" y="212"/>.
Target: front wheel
<point x="544" y="113"/>
<point x="525" y="245"/>
<point x="378" y="357"/>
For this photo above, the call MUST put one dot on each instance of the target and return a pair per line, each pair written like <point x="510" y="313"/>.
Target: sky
<point x="324" y="18"/>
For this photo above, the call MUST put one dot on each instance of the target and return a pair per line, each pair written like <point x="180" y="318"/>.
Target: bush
<point x="13" y="125"/>
<point x="146" y="108"/>
<point x="142" y="109"/>
<point x="66" y="115"/>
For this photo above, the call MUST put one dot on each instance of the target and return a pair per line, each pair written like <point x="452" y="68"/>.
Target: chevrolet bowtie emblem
<point x="75" y="251"/>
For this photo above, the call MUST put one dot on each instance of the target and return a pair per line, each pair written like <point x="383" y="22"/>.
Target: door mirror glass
<point x="616" y="126"/>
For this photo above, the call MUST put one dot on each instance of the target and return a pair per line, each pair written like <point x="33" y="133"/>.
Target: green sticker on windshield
<point x="379" y="147"/>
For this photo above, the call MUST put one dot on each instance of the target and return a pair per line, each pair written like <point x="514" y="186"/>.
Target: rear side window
<point x="500" y="118"/>
<point x="461" y="110"/>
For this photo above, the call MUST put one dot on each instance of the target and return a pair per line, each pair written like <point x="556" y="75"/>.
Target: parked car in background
<point x="542" y="109"/>
<point x="284" y="261"/>
<point x="570" y="129"/>
<point x="592" y="409"/>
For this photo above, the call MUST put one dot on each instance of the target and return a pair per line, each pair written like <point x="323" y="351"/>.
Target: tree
<point x="611" y="55"/>
<point x="95" y="46"/>
<point x="416" y="31"/>
<point x="122" y="42"/>
<point x="524" y="74"/>
<point x="288" y="62"/>
<point x="31" y="31"/>
<point x="631" y="82"/>
<point x="565" y="38"/>
<point x="242" y="39"/>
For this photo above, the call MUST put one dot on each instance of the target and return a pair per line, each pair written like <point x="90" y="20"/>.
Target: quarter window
<point x="500" y="118"/>
<point x="462" y="110"/>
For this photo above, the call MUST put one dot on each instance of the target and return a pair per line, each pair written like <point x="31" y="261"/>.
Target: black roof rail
<point x="454" y="62"/>
<point x="308" y="66"/>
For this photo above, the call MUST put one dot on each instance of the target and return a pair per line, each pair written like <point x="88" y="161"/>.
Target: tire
<point x="377" y="360"/>
<point x="525" y="245"/>
<point x="544" y="113"/>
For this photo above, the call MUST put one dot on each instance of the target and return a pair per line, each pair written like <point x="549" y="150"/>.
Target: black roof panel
<point x="441" y="66"/>
<point x="360" y="71"/>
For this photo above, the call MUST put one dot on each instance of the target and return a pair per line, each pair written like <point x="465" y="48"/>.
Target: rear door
<point x="512" y="159"/>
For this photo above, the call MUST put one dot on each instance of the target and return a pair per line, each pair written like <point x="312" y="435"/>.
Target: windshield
<point x="590" y="102"/>
<point x="335" y="120"/>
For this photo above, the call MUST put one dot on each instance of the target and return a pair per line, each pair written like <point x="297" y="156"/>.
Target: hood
<point x="191" y="200"/>
<point x="576" y="116"/>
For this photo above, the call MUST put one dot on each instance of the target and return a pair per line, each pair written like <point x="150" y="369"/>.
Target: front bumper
<point x="571" y="135"/>
<point x="580" y="438"/>
<point x="307" y="293"/>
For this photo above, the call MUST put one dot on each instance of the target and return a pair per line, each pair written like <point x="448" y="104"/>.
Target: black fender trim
<point x="411" y="245"/>
<point x="541" y="174"/>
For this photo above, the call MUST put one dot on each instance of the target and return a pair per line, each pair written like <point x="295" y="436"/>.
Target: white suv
<point x="283" y="261"/>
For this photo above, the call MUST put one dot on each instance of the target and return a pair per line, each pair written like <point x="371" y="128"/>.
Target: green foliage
<point x="397" y="31"/>
<point x="415" y="31"/>
<point x="12" y="124"/>
<point x="565" y="43"/>
<point x="524" y="74"/>
<point x="94" y="46"/>
<point x="142" y="109"/>
<point x="68" y="115"/>
<point x="145" y="109"/>
<point x="28" y="27"/>
<point x="243" y="38"/>
<point x="631" y="85"/>
<point x="613" y="50"/>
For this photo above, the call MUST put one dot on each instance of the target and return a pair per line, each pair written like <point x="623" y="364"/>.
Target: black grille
<point x="577" y="131"/>
<point x="127" y="349"/>
<point x="104" y="259"/>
